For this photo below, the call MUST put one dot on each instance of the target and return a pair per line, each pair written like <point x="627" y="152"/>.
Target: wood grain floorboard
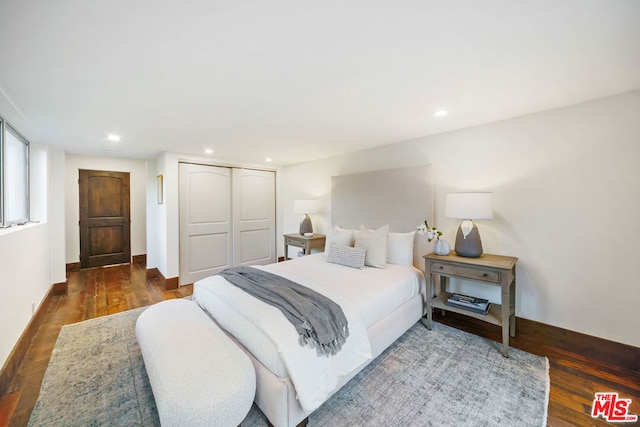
<point x="91" y="293"/>
<point x="574" y="377"/>
<point x="101" y="291"/>
<point x="7" y="407"/>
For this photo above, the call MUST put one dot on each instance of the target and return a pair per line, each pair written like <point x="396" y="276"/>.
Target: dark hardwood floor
<point x="91" y="293"/>
<point x="102" y="291"/>
<point x="575" y="377"/>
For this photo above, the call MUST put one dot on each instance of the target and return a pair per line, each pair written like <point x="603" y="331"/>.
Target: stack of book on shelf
<point x="478" y="305"/>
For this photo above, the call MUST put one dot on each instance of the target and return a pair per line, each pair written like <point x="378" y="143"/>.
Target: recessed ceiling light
<point x="268" y="160"/>
<point x="208" y="151"/>
<point x="440" y="113"/>
<point x="114" y="137"/>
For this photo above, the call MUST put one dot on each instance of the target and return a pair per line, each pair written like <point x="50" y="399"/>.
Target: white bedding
<point x="365" y="296"/>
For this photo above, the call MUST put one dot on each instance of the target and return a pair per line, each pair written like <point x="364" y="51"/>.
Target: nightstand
<point x="305" y="242"/>
<point x="496" y="270"/>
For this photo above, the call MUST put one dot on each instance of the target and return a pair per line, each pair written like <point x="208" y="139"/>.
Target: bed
<point x="381" y="302"/>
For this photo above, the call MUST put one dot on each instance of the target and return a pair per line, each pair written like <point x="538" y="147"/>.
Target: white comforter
<point x="258" y="326"/>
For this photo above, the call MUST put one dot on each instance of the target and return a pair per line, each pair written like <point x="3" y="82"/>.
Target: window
<point x="14" y="176"/>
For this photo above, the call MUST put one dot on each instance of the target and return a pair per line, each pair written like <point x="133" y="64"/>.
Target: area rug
<point x="442" y="377"/>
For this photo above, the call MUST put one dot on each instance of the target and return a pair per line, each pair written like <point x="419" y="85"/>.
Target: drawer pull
<point x="485" y="275"/>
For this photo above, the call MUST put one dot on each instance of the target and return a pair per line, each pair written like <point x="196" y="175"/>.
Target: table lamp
<point x="468" y="206"/>
<point x="305" y="207"/>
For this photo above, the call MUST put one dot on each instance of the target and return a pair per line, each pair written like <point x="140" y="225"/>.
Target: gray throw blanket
<point x="319" y="321"/>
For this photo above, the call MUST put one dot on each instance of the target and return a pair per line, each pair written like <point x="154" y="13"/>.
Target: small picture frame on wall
<point x="160" y="189"/>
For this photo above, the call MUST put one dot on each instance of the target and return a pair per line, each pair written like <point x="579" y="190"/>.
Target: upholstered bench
<point x="198" y="375"/>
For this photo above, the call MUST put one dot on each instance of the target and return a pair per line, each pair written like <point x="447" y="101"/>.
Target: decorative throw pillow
<point x="346" y="255"/>
<point x="400" y="250"/>
<point x="340" y="236"/>
<point x="375" y="241"/>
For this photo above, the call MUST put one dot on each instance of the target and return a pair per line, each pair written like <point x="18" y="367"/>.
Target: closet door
<point x="254" y="217"/>
<point x="205" y="221"/>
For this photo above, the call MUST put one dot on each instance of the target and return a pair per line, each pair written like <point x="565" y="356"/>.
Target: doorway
<point x="105" y="218"/>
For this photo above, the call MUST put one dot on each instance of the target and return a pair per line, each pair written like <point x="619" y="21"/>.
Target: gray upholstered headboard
<point x="402" y="198"/>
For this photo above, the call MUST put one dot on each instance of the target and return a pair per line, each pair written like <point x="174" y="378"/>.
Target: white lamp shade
<point x="468" y="206"/>
<point x="304" y="206"/>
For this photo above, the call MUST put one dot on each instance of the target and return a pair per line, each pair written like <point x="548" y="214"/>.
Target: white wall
<point x="138" y="188"/>
<point x="31" y="256"/>
<point x="24" y="262"/>
<point x="56" y="215"/>
<point x="156" y="233"/>
<point x="565" y="192"/>
<point x="162" y="219"/>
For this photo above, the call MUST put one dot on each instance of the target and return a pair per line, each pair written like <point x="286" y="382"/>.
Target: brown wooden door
<point x="105" y="218"/>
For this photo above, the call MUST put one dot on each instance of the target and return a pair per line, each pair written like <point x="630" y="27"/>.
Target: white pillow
<point x="346" y="255"/>
<point x="339" y="236"/>
<point x="400" y="250"/>
<point x="375" y="241"/>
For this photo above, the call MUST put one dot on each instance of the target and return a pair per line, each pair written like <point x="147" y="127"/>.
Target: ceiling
<point x="297" y="80"/>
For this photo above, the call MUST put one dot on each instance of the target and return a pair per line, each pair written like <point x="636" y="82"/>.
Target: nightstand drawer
<point x="293" y="242"/>
<point x="307" y="243"/>
<point x="466" y="272"/>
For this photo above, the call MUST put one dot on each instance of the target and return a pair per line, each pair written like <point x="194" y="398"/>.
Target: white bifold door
<point x="227" y="218"/>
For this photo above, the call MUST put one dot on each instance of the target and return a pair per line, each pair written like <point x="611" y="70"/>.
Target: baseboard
<point x="60" y="288"/>
<point x="152" y="273"/>
<point x="548" y="340"/>
<point x="168" y="284"/>
<point x="13" y="362"/>
<point x="73" y="266"/>
<point x="596" y="348"/>
<point x="135" y="259"/>
<point x="171" y="283"/>
<point x="139" y="259"/>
